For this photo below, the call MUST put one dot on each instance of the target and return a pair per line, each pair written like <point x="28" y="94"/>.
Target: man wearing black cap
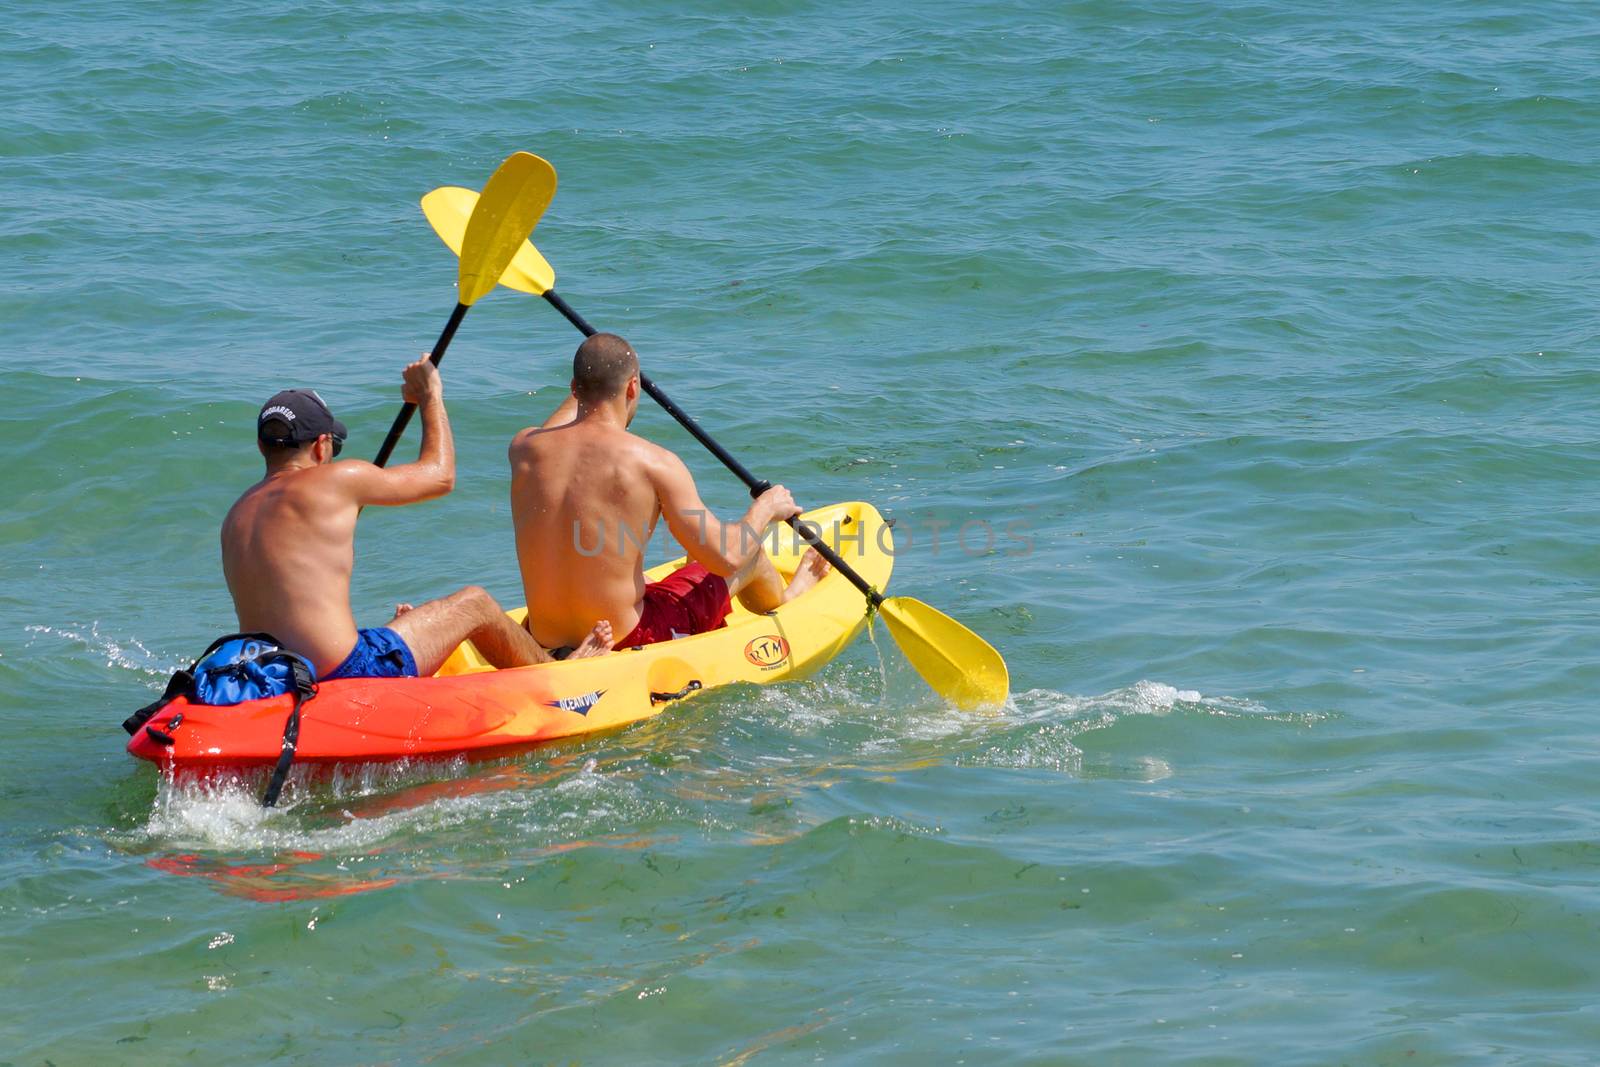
<point x="288" y="547"/>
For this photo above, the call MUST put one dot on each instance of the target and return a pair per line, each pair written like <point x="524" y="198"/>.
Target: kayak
<point x="471" y="709"/>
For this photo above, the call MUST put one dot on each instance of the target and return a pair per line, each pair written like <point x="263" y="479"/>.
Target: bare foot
<point x="598" y="643"/>
<point x="811" y="570"/>
<point x="401" y="609"/>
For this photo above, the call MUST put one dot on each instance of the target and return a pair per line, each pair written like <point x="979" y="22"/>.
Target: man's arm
<point x="434" y="472"/>
<point x="721" y="547"/>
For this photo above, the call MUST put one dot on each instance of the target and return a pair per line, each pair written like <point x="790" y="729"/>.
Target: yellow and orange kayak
<point x="471" y="709"/>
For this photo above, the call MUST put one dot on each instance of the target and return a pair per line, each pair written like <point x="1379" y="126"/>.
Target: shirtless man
<point x="585" y="497"/>
<point x="288" y="547"/>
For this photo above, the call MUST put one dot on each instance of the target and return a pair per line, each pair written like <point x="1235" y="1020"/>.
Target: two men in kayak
<point x="288" y="548"/>
<point x="585" y="498"/>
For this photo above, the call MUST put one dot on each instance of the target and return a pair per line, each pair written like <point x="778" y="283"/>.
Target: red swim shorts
<point x="690" y="600"/>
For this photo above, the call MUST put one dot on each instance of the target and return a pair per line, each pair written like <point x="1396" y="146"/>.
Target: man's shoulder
<point x="338" y="472"/>
<point x="337" y="482"/>
<point x="643" y="456"/>
<point x="662" y="457"/>
<point x="535" y="437"/>
<point x="238" y="507"/>
<point x="647" y="447"/>
<point x="531" y="447"/>
<point x="576" y="435"/>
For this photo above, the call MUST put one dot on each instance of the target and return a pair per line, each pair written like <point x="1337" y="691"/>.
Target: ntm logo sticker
<point x="768" y="653"/>
<point x="581" y="705"/>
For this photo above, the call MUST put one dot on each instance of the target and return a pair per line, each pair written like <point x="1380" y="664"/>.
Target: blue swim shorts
<point x="379" y="653"/>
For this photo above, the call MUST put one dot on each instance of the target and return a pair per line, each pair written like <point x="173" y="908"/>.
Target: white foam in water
<point x="1157" y="698"/>
<point x="1038" y="726"/>
<point x="589" y="795"/>
<point x="358" y="807"/>
<point x="903" y="711"/>
<point x="814" y="704"/>
<point x="1038" y="746"/>
<point x="1154" y="769"/>
<point x="125" y="653"/>
<point x="226" y="814"/>
<point x="1144" y="697"/>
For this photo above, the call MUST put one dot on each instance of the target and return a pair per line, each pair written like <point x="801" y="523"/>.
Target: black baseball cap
<point x="305" y="415"/>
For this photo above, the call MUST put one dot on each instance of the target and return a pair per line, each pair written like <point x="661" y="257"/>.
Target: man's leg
<point x="757" y="584"/>
<point x="760" y="588"/>
<point x="433" y="630"/>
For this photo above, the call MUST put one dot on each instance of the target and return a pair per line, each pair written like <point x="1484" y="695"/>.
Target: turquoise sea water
<point x="1273" y="324"/>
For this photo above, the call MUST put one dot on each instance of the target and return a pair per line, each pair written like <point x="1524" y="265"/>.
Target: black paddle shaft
<point x="402" y="420"/>
<point x="756" y="485"/>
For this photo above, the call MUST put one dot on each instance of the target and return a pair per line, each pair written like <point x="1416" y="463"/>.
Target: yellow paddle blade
<point x="449" y="207"/>
<point x="957" y="663"/>
<point x="507" y="211"/>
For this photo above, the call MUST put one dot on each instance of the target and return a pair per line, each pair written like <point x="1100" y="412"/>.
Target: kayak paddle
<point x="957" y="663"/>
<point x="492" y="231"/>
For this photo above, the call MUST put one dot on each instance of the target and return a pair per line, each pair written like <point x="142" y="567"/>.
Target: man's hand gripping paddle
<point x="491" y="233"/>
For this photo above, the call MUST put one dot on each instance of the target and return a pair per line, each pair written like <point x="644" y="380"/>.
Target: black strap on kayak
<point x="304" y="689"/>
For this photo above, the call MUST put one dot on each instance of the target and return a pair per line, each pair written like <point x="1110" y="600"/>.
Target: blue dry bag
<point x="245" y="667"/>
<point x="234" y="669"/>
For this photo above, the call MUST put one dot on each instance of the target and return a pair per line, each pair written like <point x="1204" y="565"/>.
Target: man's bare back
<point x="583" y="506"/>
<point x="288" y="546"/>
<point x="585" y="498"/>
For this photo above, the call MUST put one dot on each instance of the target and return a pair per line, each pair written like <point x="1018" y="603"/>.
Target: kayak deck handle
<point x="666" y="698"/>
<point x="164" y="737"/>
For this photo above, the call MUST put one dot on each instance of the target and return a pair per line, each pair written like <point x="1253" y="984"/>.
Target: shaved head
<point x="601" y="367"/>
